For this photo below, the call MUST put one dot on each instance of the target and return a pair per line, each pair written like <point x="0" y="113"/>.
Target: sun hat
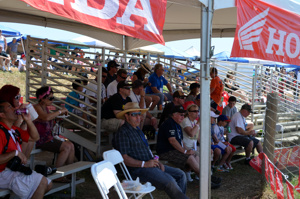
<point x="212" y="114"/>
<point x="223" y="118"/>
<point x="130" y="107"/>
<point x="247" y="107"/>
<point x="146" y="67"/>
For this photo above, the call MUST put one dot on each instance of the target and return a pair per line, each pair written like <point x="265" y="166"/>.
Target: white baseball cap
<point x="212" y="114"/>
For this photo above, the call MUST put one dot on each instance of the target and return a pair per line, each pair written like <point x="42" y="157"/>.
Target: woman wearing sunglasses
<point x="44" y="124"/>
<point x="12" y="94"/>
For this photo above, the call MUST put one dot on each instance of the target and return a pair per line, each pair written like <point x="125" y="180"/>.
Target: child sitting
<point x="219" y="140"/>
<point x="76" y="85"/>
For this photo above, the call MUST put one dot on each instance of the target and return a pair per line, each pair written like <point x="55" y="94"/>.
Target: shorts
<point x="22" y="185"/>
<point x="13" y="55"/>
<point x="52" y="146"/>
<point x="213" y="147"/>
<point x="175" y="157"/>
<point x="244" y="141"/>
<point x="111" y="125"/>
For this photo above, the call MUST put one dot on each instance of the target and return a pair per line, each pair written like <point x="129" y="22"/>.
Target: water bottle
<point x="228" y="129"/>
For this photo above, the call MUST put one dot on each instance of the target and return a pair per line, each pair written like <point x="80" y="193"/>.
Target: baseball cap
<point x="111" y="64"/>
<point x="178" y="94"/>
<point x="23" y="55"/>
<point x="212" y="114"/>
<point x="223" y="118"/>
<point x="178" y="109"/>
<point x="123" y="84"/>
<point x="247" y="107"/>
<point x="137" y="84"/>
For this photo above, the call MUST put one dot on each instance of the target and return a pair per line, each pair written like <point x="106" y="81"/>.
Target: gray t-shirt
<point x="229" y="111"/>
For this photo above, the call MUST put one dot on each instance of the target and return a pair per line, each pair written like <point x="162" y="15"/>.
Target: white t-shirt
<point x="229" y="111"/>
<point x="136" y="98"/>
<point x="92" y="85"/>
<point x="21" y="63"/>
<point x="187" y="140"/>
<point x="112" y="88"/>
<point x="237" y="120"/>
<point x="219" y="132"/>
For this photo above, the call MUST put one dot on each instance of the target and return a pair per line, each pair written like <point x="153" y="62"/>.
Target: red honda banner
<point x="143" y="19"/>
<point x="257" y="162"/>
<point x="289" y="190"/>
<point x="279" y="186"/>
<point x="297" y="187"/>
<point x="267" y="168"/>
<point x="267" y="32"/>
<point x="272" y="179"/>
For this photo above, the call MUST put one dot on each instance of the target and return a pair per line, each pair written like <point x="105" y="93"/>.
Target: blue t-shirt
<point x="72" y="101"/>
<point x="168" y="129"/>
<point x="157" y="82"/>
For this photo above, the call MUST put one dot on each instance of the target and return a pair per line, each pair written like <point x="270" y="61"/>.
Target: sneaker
<point x="247" y="161"/>
<point x="188" y="176"/>
<point x="222" y="169"/>
<point x="228" y="165"/>
<point x="225" y="166"/>
<point x="10" y="71"/>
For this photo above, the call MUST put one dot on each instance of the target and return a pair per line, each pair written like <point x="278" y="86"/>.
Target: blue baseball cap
<point x="223" y="118"/>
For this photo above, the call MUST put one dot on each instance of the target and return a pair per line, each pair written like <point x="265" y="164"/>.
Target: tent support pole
<point x="204" y="164"/>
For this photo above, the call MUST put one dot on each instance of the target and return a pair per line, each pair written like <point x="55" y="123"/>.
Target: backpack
<point x="7" y="135"/>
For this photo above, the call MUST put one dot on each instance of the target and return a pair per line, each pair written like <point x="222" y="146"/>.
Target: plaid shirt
<point x="129" y="140"/>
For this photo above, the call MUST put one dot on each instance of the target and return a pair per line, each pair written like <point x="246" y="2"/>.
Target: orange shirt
<point x="217" y="84"/>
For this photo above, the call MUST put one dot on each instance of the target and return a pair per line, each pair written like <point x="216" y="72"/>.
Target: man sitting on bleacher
<point x="32" y="185"/>
<point x="242" y="133"/>
<point x="133" y="145"/>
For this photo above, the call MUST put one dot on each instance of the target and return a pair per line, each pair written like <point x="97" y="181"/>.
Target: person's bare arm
<point x="48" y="116"/>
<point x="116" y="112"/>
<point x="131" y="162"/>
<point x="155" y="90"/>
<point x="178" y="147"/>
<point x="5" y="44"/>
<point x="243" y="132"/>
<point x="33" y="132"/>
<point x="169" y="87"/>
<point x="191" y="131"/>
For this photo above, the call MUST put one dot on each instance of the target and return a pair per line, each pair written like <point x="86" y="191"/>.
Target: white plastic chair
<point x="115" y="157"/>
<point x="105" y="176"/>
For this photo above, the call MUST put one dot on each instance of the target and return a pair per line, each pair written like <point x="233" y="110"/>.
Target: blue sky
<point x="221" y="44"/>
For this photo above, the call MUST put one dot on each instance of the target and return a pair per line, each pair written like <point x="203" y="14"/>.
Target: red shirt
<point x="216" y="95"/>
<point x="12" y="146"/>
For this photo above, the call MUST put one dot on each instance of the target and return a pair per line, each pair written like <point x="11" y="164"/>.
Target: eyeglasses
<point x="18" y="97"/>
<point x="181" y="97"/>
<point x="50" y="98"/>
<point x="127" y="88"/>
<point x="135" y="114"/>
<point x="194" y="111"/>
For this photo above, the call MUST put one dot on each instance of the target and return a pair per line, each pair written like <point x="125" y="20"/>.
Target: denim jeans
<point x="172" y="181"/>
<point x="162" y="97"/>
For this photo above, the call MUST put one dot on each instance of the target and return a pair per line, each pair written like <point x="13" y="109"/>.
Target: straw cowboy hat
<point x="146" y="67"/>
<point x="130" y="107"/>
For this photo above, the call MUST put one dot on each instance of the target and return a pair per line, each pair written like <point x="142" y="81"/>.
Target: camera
<point x="16" y="165"/>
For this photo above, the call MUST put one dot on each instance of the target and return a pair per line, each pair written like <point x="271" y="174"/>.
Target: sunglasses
<point x="194" y="111"/>
<point x="181" y="97"/>
<point x="18" y="97"/>
<point x="127" y="88"/>
<point x="135" y="114"/>
<point x="50" y="98"/>
<point x="122" y="77"/>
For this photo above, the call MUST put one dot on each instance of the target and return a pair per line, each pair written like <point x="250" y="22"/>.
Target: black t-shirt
<point x="115" y="102"/>
<point x="168" y="129"/>
<point x="166" y="113"/>
<point x="109" y="79"/>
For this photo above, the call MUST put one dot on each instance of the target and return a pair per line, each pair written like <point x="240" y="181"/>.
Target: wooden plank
<point x="71" y="168"/>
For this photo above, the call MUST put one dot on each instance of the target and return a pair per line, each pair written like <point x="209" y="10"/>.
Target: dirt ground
<point x="243" y="182"/>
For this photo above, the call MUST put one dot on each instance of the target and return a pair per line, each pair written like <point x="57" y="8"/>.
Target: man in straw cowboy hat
<point x="133" y="145"/>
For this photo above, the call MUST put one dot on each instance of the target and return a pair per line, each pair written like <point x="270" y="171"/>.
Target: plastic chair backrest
<point x="105" y="176"/>
<point x="115" y="157"/>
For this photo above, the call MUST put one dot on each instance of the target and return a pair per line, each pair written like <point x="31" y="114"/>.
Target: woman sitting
<point x="233" y="88"/>
<point x="194" y="91"/>
<point x="44" y="124"/>
<point x="12" y="95"/>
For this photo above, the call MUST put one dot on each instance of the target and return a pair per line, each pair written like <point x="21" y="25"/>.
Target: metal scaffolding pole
<point x="204" y="182"/>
